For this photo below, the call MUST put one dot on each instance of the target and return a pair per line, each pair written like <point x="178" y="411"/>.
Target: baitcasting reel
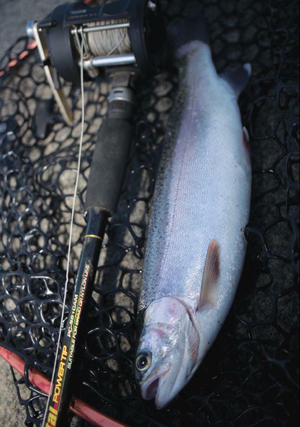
<point x="119" y="33"/>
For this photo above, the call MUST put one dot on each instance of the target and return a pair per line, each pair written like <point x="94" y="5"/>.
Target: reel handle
<point x="111" y="151"/>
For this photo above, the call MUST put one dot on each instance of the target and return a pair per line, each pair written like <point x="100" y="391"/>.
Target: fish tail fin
<point x="183" y="31"/>
<point x="238" y="78"/>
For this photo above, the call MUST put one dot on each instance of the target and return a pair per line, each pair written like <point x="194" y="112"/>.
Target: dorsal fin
<point x="237" y="78"/>
<point x="211" y="275"/>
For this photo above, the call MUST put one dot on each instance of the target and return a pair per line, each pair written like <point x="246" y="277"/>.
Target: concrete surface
<point x="11" y="413"/>
<point x="14" y="15"/>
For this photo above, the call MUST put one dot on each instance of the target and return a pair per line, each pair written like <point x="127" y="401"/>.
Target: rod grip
<point x="109" y="164"/>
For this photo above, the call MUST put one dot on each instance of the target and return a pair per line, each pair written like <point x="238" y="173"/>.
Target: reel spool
<point x="124" y="32"/>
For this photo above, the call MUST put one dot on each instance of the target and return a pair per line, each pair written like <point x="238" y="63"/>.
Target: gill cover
<point x="168" y="352"/>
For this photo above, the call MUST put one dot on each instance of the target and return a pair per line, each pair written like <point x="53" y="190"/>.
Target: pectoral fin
<point x="237" y="78"/>
<point x="209" y="287"/>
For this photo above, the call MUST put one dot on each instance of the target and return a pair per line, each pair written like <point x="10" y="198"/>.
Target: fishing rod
<point x="75" y="42"/>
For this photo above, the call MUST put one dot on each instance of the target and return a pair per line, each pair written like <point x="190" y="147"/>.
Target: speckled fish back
<point x="202" y="190"/>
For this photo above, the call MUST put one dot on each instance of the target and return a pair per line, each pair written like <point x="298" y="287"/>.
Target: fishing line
<point x="107" y="42"/>
<point x="71" y="231"/>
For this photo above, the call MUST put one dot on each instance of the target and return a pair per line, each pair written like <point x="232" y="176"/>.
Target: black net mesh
<point x="249" y="377"/>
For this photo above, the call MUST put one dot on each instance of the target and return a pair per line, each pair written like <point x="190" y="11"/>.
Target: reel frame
<point x="60" y="35"/>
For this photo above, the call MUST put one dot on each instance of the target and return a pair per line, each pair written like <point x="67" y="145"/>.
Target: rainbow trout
<point x="196" y="245"/>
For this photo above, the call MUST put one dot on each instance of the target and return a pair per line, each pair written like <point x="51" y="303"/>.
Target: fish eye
<point x="143" y="361"/>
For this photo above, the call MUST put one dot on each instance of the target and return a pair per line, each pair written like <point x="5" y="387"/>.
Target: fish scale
<point x="195" y="241"/>
<point x="203" y="171"/>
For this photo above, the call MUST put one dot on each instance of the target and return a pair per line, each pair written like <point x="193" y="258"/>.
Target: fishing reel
<point x="115" y="34"/>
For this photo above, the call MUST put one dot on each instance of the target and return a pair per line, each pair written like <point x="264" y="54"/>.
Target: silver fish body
<point x="201" y="201"/>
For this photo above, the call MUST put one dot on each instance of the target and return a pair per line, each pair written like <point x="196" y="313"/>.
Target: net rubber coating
<point x="249" y="377"/>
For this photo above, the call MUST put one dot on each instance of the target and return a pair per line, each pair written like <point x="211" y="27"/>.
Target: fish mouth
<point x="150" y="387"/>
<point x="151" y="390"/>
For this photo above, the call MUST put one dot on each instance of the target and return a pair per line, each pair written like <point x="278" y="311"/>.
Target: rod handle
<point x="109" y="164"/>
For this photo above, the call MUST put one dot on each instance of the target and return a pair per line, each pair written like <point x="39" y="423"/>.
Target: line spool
<point x="107" y="42"/>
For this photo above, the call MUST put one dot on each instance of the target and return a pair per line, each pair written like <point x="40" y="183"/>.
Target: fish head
<point x="168" y="350"/>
